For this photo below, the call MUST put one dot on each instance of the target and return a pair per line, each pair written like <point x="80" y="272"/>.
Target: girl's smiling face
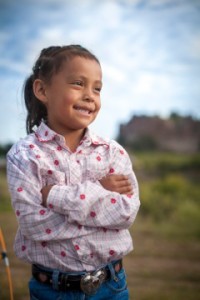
<point x="72" y="97"/>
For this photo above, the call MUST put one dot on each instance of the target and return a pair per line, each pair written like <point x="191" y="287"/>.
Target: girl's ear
<point x="39" y="90"/>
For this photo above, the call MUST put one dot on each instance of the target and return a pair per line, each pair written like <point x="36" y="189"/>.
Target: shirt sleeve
<point x="91" y="205"/>
<point x="36" y="222"/>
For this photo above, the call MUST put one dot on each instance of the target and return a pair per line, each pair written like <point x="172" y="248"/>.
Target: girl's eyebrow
<point x="74" y="76"/>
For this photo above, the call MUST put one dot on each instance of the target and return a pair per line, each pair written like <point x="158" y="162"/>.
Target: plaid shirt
<point x="84" y="225"/>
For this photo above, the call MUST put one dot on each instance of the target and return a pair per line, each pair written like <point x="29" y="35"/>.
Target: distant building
<point x="177" y="133"/>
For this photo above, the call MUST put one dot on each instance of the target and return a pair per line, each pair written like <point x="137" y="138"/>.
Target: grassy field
<point x="166" y="261"/>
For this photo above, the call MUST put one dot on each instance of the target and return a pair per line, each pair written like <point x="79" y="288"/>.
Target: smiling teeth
<point x="83" y="110"/>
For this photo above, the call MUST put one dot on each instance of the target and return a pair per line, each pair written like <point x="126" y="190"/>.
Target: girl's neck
<point x="73" y="138"/>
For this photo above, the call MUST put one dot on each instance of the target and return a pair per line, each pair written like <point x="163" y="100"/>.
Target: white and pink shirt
<point x="84" y="225"/>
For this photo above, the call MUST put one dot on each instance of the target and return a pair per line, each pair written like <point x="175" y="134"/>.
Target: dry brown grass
<point x="20" y="271"/>
<point x="158" y="268"/>
<point x="162" y="268"/>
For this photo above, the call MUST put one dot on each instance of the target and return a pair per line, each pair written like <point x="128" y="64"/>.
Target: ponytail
<point x="36" y="110"/>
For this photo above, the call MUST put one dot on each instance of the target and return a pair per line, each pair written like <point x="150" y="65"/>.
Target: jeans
<point x="113" y="289"/>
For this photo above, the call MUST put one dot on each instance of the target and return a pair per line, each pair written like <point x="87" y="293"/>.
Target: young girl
<point x="74" y="193"/>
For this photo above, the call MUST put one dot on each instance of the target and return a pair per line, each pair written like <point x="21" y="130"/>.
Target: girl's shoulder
<point x="112" y="144"/>
<point x="115" y="146"/>
<point x="24" y="144"/>
<point x="104" y="140"/>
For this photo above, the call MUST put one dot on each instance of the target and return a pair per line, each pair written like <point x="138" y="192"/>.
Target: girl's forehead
<point x="77" y="62"/>
<point x="81" y="65"/>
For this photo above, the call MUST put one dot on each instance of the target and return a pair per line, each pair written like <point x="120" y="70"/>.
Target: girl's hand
<point x="45" y="191"/>
<point x="117" y="183"/>
<point x="114" y="183"/>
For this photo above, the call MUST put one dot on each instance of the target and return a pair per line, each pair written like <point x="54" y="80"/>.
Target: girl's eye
<point x="79" y="83"/>
<point x="98" y="89"/>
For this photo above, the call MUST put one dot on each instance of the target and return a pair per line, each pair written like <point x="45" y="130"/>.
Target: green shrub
<point x="169" y="191"/>
<point x="5" y="203"/>
<point x="187" y="218"/>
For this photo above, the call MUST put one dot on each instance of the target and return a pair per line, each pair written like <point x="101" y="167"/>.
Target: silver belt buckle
<point x="90" y="282"/>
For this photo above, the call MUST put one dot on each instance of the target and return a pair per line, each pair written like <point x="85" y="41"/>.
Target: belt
<point x="88" y="283"/>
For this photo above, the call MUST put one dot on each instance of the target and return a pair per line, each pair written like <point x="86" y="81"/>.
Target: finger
<point x="118" y="177"/>
<point x="126" y="190"/>
<point x="124" y="183"/>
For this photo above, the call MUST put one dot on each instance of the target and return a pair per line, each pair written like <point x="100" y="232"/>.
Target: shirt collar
<point x="92" y="139"/>
<point x="44" y="134"/>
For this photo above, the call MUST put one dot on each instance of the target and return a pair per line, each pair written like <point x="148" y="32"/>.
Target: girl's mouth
<point x="83" y="110"/>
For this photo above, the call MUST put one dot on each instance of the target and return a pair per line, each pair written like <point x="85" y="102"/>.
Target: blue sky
<point x="149" y="51"/>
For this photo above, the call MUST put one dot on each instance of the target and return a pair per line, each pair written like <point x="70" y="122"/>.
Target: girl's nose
<point x="88" y="95"/>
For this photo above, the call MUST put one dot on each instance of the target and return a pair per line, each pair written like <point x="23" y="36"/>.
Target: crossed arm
<point x="114" y="183"/>
<point x="28" y="195"/>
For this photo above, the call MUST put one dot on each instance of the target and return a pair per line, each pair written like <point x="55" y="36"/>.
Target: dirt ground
<point x="158" y="268"/>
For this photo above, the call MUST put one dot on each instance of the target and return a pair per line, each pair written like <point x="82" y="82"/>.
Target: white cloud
<point x="4" y="37"/>
<point x="12" y="118"/>
<point x="149" y="51"/>
<point x="113" y="74"/>
<point x="12" y="66"/>
<point x="194" y="46"/>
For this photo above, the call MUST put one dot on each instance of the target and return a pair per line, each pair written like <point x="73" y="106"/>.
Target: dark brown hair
<point x="48" y="63"/>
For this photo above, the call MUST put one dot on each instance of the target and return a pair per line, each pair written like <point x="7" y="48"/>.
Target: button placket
<point x="75" y="171"/>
